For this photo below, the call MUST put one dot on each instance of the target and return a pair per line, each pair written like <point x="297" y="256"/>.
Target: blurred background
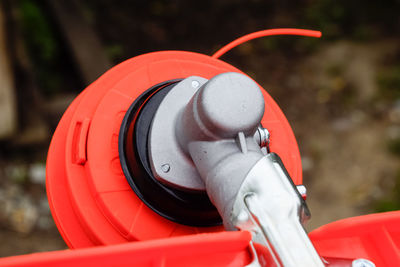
<point x="341" y="93"/>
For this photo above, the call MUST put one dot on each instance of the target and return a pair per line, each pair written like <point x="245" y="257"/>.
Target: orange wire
<point x="264" y="33"/>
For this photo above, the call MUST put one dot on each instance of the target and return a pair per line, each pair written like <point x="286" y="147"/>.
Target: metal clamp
<point x="269" y="205"/>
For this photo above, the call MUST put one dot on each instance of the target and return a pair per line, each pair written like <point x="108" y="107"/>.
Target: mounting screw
<point x="165" y="168"/>
<point x="263" y="136"/>
<point x="195" y="84"/>
<point x="362" y="263"/>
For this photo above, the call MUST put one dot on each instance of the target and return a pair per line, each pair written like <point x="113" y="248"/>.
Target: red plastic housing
<point x="375" y="237"/>
<point x="218" y="249"/>
<point x="90" y="199"/>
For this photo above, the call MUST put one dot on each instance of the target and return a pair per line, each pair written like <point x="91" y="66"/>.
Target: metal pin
<point x="165" y="168"/>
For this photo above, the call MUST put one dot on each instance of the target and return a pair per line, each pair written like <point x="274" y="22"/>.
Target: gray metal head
<point x="204" y="139"/>
<point x="229" y="103"/>
<point x="197" y="111"/>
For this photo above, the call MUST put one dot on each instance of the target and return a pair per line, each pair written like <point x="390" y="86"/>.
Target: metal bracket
<point x="269" y="205"/>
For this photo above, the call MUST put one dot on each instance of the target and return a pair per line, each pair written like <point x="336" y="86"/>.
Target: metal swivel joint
<point x="205" y="131"/>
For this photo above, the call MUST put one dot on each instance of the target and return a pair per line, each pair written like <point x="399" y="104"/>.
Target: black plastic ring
<point x="188" y="208"/>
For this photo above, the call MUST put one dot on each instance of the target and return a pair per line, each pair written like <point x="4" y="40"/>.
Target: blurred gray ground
<point x="341" y="94"/>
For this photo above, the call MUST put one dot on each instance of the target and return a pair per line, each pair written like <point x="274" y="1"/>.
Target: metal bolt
<point x="302" y="190"/>
<point x="362" y="263"/>
<point x="195" y="84"/>
<point x="263" y="136"/>
<point x="165" y="168"/>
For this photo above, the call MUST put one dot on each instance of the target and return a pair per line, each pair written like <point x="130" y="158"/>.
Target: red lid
<point x="90" y="199"/>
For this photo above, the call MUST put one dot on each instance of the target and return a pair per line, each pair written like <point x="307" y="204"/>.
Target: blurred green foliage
<point x="42" y="44"/>
<point x="392" y="200"/>
<point x="388" y="80"/>
<point x="394" y="146"/>
<point x="130" y="28"/>
<point x="114" y="52"/>
<point x="37" y="31"/>
<point x="335" y="70"/>
<point x="361" y="20"/>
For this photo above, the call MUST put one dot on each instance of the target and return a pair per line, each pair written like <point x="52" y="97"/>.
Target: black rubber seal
<point x="188" y="208"/>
